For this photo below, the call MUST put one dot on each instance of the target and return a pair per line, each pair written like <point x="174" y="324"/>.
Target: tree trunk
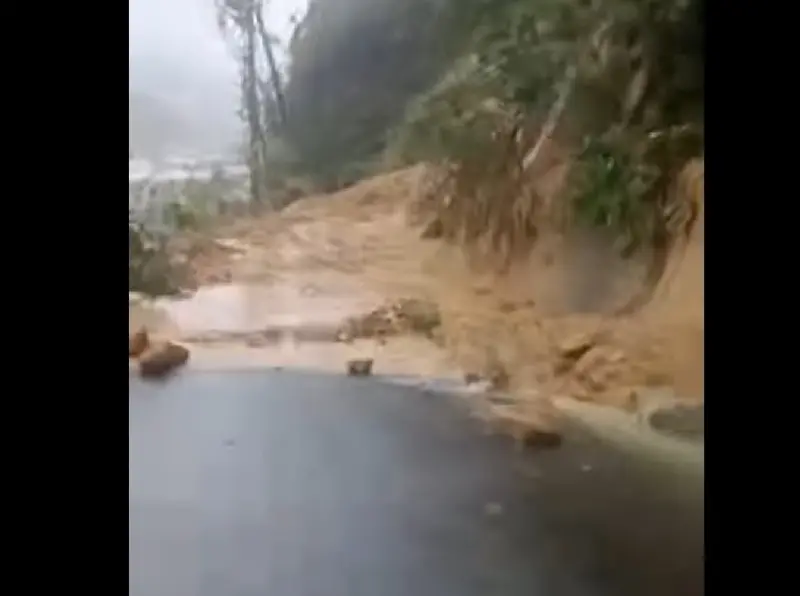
<point x="275" y="75"/>
<point x="252" y="110"/>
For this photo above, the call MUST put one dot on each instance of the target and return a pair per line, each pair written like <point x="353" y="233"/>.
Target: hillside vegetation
<point x="539" y="117"/>
<point x="474" y="86"/>
<point x="355" y="66"/>
<point x="548" y="155"/>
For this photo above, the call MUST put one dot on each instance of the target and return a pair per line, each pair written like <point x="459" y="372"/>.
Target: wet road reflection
<point x="251" y="307"/>
<point x="254" y="483"/>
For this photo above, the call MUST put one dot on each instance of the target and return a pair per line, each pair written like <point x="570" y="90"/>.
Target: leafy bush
<point x="149" y="268"/>
<point x="624" y="187"/>
<point x="634" y="111"/>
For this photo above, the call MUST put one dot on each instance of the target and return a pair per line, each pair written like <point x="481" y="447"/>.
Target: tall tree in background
<point x="274" y="92"/>
<point x="263" y="107"/>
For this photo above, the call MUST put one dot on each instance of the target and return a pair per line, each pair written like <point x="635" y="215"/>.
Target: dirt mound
<point x="662" y="344"/>
<point x="361" y="201"/>
<point x="204" y="259"/>
<point x="346" y="231"/>
<point x="404" y="316"/>
<point x="548" y="322"/>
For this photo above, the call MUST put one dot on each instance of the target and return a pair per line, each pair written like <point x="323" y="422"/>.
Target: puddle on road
<point x="247" y="308"/>
<point x="284" y="324"/>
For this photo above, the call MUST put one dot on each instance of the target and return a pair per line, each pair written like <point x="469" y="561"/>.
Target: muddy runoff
<point x="297" y="322"/>
<point x="317" y="284"/>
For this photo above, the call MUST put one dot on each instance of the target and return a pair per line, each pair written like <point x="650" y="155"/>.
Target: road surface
<point x="287" y="484"/>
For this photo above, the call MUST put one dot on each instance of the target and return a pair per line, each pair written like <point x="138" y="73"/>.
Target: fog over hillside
<point x="183" y="94"/>
<point x="172" y="111"/>
<point x="182" y="80"/>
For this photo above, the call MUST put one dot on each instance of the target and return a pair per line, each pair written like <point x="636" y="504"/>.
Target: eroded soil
<point x="321" y="281"/>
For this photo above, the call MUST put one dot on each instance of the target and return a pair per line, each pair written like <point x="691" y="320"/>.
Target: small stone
<point x="359" y="368"/>
<point x="471" y="378"/>
<point x="138" y="343"/>
<point x="162" y="359"/>
<point x="539" y="438"/>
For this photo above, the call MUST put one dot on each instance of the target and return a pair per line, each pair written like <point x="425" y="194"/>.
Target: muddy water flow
<point x="291" y="305"/>
<point x="290" y="323"/>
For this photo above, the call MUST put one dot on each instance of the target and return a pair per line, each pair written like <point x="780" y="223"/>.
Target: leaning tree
<point x="263" y="107"/>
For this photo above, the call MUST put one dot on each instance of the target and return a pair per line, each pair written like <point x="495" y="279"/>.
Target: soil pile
<point x="551" y="321"/>
<point x="548" y="322"/>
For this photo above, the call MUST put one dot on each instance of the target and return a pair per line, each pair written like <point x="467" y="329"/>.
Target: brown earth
<point x="138" y="342"/>
<point x="548" y="322"/>
<point x="162" y="358"/>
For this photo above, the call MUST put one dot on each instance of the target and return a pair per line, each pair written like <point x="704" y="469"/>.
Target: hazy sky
<point x="185" y="31"/>
<point x="178" y="57"/>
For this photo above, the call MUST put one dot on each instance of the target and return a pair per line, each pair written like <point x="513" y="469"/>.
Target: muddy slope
<point x="549" y="322"/>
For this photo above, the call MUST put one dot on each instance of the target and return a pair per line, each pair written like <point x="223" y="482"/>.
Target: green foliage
<point x="181" y="216"/>
<point x="355" y="64"/>
<point x="611" y="192"/>
<point x="621" y="181"/>
<point x="468" y="85"/>
<point x="635" y="114"/>
<point x="517" y="52"/>
<point x="455" y="119"/>
<point x="149" y="267"/>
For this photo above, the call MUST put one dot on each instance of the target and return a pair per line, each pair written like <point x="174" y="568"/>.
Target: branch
<point x="567" y="88"/>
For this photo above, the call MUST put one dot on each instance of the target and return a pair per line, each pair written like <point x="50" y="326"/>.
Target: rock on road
<point x="291" y="484"/>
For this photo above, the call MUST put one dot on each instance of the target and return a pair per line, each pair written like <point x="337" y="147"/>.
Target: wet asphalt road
<point x="285" y="484"/>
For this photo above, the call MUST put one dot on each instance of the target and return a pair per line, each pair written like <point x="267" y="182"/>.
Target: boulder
<point x="359" y="368"/>
<point x="162" y="359"/>
<point x="138" y="342"/>
<point x="538" y="438"/>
